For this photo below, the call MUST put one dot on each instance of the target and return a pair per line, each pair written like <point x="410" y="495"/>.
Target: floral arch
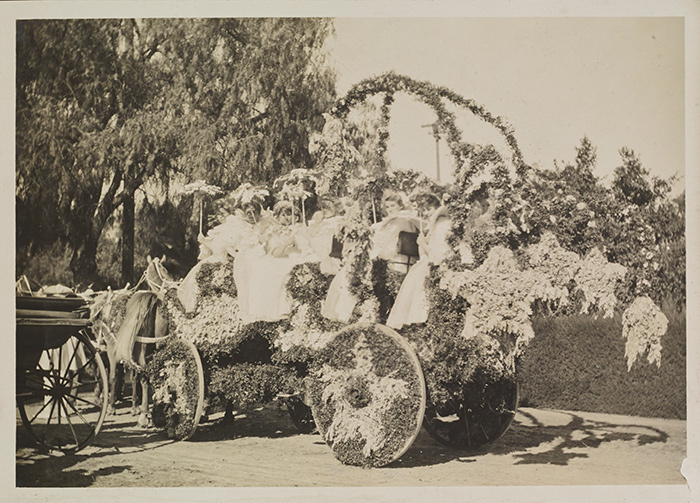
<point x="509" y="272"/>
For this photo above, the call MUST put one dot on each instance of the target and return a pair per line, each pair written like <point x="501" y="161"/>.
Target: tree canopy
<point x="103" y="106"/>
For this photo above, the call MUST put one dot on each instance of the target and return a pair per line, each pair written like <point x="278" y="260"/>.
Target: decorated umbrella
<point x="247" y="193"/>
<point x="293" y="187"/>
<point x="200" y="188"/>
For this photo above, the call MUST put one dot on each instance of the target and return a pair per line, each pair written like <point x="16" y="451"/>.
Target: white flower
<point x="591" y="224"/>
<point x="597" y="279"/>
<point x="643" y="325"/>
<point x="581" y="206"/>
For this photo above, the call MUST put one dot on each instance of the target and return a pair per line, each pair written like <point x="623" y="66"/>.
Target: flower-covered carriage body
<point x="386" y="312"/>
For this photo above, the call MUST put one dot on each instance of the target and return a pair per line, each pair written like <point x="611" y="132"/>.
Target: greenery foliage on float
<point x="482" y="298"/>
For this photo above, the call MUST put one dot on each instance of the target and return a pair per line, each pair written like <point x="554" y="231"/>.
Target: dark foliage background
<point x="578" y="363"/>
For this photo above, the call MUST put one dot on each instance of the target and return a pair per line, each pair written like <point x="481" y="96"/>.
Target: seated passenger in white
<point x="237" y="234"/>
<point x="261" y="279"/>
<point x="385" y="242"/>
<point x="411" y="305"/>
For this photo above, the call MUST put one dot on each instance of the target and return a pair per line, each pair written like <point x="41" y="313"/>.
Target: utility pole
<point x="436" y="135"/>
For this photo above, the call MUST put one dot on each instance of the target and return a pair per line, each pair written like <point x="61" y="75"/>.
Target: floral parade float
<point x="366" y="387"/>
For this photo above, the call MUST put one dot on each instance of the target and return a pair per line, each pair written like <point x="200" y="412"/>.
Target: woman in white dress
<point x="411" y="304"/>
<point x="261" y="278"/>
<point x="385" y="242"/>
<point x="237" y="234"/>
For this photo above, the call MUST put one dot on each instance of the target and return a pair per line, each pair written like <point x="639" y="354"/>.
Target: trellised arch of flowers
<point x="479" y="268"/>
<point x="434" y="96"/>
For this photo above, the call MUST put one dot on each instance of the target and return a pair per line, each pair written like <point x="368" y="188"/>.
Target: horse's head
<point x="156" y="275"/>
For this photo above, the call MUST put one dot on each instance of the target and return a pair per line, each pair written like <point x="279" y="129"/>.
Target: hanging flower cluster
<point x="597" y="279"/>
<point x="499" y="295"/>
<point x="556" y="265"/>
<point x="643" y="325"/>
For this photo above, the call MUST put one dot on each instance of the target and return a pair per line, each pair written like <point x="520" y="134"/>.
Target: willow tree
<point x="105" y="105"/>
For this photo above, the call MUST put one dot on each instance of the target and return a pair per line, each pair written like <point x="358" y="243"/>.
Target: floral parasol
<point x="200" y="188"/>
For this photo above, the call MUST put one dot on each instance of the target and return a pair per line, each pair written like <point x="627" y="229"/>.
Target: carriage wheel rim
<point x="199" y="409"/>
<point x="419" y="384"/>
<point x="62" y="403"/>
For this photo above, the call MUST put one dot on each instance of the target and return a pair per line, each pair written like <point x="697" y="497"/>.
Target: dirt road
<point x="263" y="449"/>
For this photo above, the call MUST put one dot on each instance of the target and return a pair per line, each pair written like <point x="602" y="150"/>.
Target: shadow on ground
<point x="530" y="441"/>
<point x="120" y="434"/>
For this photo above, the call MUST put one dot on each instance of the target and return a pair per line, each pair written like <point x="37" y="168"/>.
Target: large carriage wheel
<point x="175" y="372"/>
<point x="481" y="418"/>
<point x="367" y="395"/>
<point x="62" y="400"/>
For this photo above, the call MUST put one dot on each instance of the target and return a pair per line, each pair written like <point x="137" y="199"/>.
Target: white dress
<point x="411" y="304"/>
<point x="230" y="238"/>
<point x="261" y="278"/>
<point x="340" y="302"/>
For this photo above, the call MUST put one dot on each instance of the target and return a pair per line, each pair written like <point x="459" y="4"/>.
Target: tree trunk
<point x="83" y="264"/>
<point x="128" y="240"/>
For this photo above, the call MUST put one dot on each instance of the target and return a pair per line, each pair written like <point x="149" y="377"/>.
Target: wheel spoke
<point x="72" y="357"/>
<point x="42" y="409"/>
<point x="81" y="399"/>
<point x="53" y="407"/>
<point x="88" y="362"/>
<point x="466" y="426"/>
<point x="70" y="425"/>
<point x="82" y="418"/>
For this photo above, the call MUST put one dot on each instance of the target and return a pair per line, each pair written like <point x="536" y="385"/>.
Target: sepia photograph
<point x="351" y="250"/>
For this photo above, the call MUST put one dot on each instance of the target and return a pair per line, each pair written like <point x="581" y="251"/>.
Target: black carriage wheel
<point x="481" y="418"/>
<point x="176" y="374"/>
<point x="63" y="400"/>
<point x="301" y="415"/>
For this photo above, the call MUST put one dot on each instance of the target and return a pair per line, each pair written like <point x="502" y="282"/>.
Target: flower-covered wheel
<point x="175" y="372"/>
<point x="482" y="417"/>
<point x="367" y="395"/>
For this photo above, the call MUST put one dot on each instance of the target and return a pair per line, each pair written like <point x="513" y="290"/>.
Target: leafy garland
<point x="390" y="83"/>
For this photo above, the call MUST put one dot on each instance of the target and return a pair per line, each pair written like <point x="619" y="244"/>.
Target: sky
<point x="619" y="81"/>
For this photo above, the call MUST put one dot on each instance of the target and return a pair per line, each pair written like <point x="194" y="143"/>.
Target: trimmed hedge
<point x="578" y="363"/>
